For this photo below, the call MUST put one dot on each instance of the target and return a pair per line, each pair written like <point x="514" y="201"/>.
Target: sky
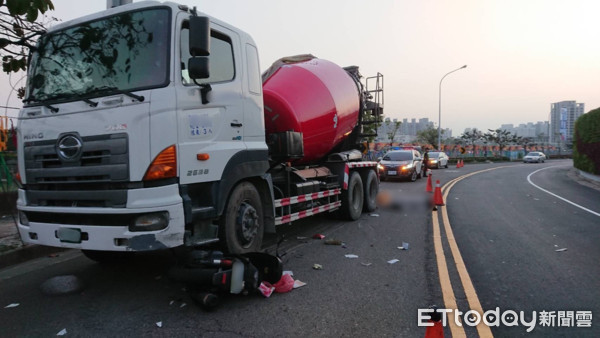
<point x="521" y="56"/>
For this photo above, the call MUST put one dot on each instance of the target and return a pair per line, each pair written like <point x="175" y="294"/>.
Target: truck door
<point x="215" y="128"/>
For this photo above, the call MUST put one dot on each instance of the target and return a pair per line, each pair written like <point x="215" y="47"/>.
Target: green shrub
<point x="586" y="148"/>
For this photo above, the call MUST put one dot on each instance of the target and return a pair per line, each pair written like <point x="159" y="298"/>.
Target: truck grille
<point x="94" y="179"/>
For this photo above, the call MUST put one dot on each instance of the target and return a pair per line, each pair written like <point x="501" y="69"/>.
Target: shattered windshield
<point x="125" y="52"/>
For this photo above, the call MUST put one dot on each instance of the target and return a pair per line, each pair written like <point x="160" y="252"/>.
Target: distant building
<point x="562" y="120"/>
<point x="537" y="131"/>
<point x="408" y="129"/>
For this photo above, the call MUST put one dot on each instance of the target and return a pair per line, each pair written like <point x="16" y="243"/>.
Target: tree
<point x="428" y="136"/>
<point x="501" y="137"/>
<point x="391" y="134"/>
<point x="19" y="31"/>
<point x="525" y="142"/>
<point x="470" y="137"/>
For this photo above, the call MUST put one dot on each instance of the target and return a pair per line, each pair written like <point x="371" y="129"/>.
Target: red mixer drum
<point x="313" y="96"/>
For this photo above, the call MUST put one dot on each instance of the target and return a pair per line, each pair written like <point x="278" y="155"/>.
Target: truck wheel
<point x="108" y="257"/>
<point x="371" y="190"/>
<point x="352" y="199"/>
<point x="242" y="223"/>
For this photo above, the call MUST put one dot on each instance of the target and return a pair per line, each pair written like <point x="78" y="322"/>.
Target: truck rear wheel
<point x="371" y="191"/>
<point x="242" y="223"/>
<point x="353" y="198"/>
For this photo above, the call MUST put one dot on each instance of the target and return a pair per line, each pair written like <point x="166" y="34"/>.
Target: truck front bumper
<point x="108" y="229"/>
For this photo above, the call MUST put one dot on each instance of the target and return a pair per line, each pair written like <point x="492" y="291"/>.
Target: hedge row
<point x="586" y="148"/>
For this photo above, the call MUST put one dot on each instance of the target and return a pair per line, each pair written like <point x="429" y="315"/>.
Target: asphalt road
<point x="364" y="296"/>
<point x="507" y="231"/>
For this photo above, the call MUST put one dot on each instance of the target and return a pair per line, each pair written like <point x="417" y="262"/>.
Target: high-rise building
<point x="562" y="120"/>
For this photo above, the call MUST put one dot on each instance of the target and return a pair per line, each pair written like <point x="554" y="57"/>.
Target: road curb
<point x="26" y="253"/>
<point x="588" y="176"/>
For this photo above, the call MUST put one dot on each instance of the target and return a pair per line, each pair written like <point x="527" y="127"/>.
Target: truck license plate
<point x="392" y="172"/>
<point x="69" y="235"/>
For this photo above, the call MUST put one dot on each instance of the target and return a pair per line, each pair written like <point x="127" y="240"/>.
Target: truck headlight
<point x="150" y="222"/>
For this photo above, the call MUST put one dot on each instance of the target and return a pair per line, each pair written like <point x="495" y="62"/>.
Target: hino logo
<point x="69" y="147"/>
<point x="33" y="136"/>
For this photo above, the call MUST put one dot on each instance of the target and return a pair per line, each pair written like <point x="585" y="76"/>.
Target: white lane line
<point x="555" y="195"/>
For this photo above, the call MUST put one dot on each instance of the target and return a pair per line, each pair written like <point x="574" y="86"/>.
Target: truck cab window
<point x="222" y="68"/>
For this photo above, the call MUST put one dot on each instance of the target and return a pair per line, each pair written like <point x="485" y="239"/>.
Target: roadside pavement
<point x="13" y="250"/>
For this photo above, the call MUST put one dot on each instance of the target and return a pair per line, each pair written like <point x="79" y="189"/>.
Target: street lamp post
<point x="440" y="108"/>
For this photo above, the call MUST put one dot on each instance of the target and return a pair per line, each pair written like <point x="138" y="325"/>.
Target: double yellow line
<point x="447" y="291"/>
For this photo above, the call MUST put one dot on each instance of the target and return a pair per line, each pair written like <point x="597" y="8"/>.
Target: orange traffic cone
<point x="462" y="163"/>
<point x="435" y="331"/>
<point x="429" y="187"/>
<point x="457" y="163"/>
<point x="438" y="200"/>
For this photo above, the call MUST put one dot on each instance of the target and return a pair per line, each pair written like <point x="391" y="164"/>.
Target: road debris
<point x="393" y="261"/>
<point x="318" y="236"/>
<point x="366" y="264"/>
<point x="287" y="272"/>
<point x="351" y="256"/>
<point x="298" y="284"/>
<point x="301" y="238"/>
<point x="404" y="246"/>
<point x="561" y="250"/>
<point x="62" y="332"/>
<point x="333" y="242"/>
<point x="182" y="305"/>
<point x="11" y="305"/>
<point x="317" y="266"/>
<point x="159" y="324"/>
<point x="266" y="290"/>
<point x="374" y="215"/>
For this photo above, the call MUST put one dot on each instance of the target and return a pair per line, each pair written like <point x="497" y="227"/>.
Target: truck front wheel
<point x="353" y="198"/>
<point x="242" y="223"/>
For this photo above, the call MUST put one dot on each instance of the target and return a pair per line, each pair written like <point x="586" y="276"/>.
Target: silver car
<point x="534" y="156"/>
<point x="437" y="159"/>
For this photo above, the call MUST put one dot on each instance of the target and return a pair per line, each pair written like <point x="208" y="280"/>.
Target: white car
<point x="534" y="156"/>
<point x="437" y="160"/>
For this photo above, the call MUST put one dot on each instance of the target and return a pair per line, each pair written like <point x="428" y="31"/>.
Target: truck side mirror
<point x="199" y="41"/>
<point x="198" y="68"/>
<point x="199" y="36"/>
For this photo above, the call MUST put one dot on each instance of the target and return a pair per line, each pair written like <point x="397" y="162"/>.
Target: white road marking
<point x="555" y="195"/>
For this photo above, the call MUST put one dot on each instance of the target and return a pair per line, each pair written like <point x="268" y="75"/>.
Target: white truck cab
<point x="116" y="143"/>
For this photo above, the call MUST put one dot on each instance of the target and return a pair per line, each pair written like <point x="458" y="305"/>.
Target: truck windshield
<point x="121" y="53"/>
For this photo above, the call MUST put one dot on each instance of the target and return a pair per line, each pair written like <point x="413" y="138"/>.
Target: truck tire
<point x="371" y="190"/>
<point x="242" y="222"/>
<point x="353" y="198"/>
<point x="108" y="257"/>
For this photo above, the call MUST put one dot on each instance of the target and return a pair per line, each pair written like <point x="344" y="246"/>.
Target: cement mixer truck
<point x="150" y="126"/>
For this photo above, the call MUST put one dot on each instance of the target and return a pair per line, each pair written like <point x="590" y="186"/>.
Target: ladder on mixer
<point x="373" y="110"/>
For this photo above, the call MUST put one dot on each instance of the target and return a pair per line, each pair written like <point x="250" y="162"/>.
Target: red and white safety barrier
<point x="308" y="197"/>
<point x="352" y="165"/>
<point x="306" y="213"/>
